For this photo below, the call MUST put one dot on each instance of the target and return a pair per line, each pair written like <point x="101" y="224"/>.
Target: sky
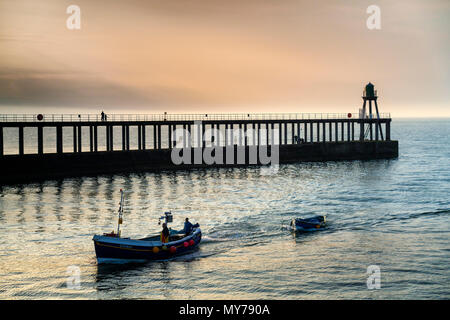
<point x="210" y="56"/>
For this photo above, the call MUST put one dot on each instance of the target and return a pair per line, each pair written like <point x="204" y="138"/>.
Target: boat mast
<point x="119" y="222"/>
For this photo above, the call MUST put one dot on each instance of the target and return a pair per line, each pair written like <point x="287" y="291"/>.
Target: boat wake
<point x="405" y="217"/>
<point x="208" y="239"/>
<point x="195" y="255"/>
<point x="420" y="214"/>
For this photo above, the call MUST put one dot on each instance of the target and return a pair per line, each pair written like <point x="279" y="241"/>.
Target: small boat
<point x="308" y="224"/>
<point x="112" y="248"/>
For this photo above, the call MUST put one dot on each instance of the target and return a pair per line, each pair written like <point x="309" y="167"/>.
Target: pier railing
<point x="177" y="117"/>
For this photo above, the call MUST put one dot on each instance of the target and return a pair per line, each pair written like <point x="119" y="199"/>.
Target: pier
<point x="299" y="137"/>
<point x="287" y="128"/>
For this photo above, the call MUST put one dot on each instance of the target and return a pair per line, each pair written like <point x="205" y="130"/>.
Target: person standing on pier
<point x="103" y="116"/>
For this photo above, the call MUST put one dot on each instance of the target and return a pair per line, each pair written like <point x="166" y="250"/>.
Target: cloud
<point x="271" y="55"/>
<point x="52" y="88"/>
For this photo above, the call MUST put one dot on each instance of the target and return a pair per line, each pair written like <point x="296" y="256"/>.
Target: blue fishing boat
<point x="308" y="224"/>
<point x="112" y="248"/>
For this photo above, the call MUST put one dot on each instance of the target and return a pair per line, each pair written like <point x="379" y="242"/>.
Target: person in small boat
<point x="187" y="227"/>
<point x="165" y="233"/>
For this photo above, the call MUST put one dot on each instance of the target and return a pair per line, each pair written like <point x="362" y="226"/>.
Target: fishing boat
<point x="308" y="224"/>
<point x="112" y="248"/>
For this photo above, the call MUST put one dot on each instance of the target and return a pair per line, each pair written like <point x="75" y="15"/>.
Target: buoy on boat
<point x="173" y="249"/>
<point x="191" y="242"/>
<point x="155" y="249"/>
<point x="186" y="244"/>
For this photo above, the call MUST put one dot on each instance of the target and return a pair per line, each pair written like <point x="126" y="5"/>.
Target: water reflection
<point x="117" y="277"/>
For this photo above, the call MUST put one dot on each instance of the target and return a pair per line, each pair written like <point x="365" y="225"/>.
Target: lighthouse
<point x="369" y="95"/>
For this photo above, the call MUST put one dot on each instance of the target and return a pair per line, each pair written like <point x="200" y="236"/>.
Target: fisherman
<point x="165" y="233"/>
<point x="187" y="227"/>
<point x="103" y="116"/>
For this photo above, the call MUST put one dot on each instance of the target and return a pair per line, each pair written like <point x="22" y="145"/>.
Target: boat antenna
<point x="119" y="222"/>
<point x="167" y="216"/>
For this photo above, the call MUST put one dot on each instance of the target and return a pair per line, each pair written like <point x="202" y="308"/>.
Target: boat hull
<point x="309" y="224"/>
<point x="121" y="250"/>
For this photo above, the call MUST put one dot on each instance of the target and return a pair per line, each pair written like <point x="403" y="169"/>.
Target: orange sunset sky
<point x="189" y="56"/>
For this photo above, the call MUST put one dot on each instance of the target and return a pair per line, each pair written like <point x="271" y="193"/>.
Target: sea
<point x="387" y="234"/>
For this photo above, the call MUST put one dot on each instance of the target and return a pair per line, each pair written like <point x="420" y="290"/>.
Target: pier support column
<point x="376" y="131"/>
<point x="143" y="136"/>
<point x="107" y="138"/>
<point x="342" y="131"/>
<point x="371" y="118"/>
<point x="293" y="133"/>
<point x="75" y="139"/>
<point x="279" y="134"/>
<point x="59" y="139"/>
<point x="324" y="138"/>
<point x="388" y="130"/>
<point x="111" y="138"/>
<point x="244" y="133"/>
<point x="305" y="130"/>
<point x="348" y="130"/>
<point x="40" y="140"/>
<point x="170" y="136"/>
<point x="285" y="133"/>
<point x="330" y="131"/>
<point x="154" y="137"/>
<point x="336" y="132"/>
<point x="311" y="133"/>
<point x="298" y="130"/>
<point x="318" y="131"/>
<point x="202" y="135"/>
<point x="21" y="143"/>
<point x="139" y="137"/>
<point x="2" y="152"/>
<point x="378" y="120"/>
<point x="91" y="138"/>
<point x="361" y="128"/>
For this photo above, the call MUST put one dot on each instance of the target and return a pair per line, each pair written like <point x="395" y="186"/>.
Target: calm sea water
<point x="389" y="213"/>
